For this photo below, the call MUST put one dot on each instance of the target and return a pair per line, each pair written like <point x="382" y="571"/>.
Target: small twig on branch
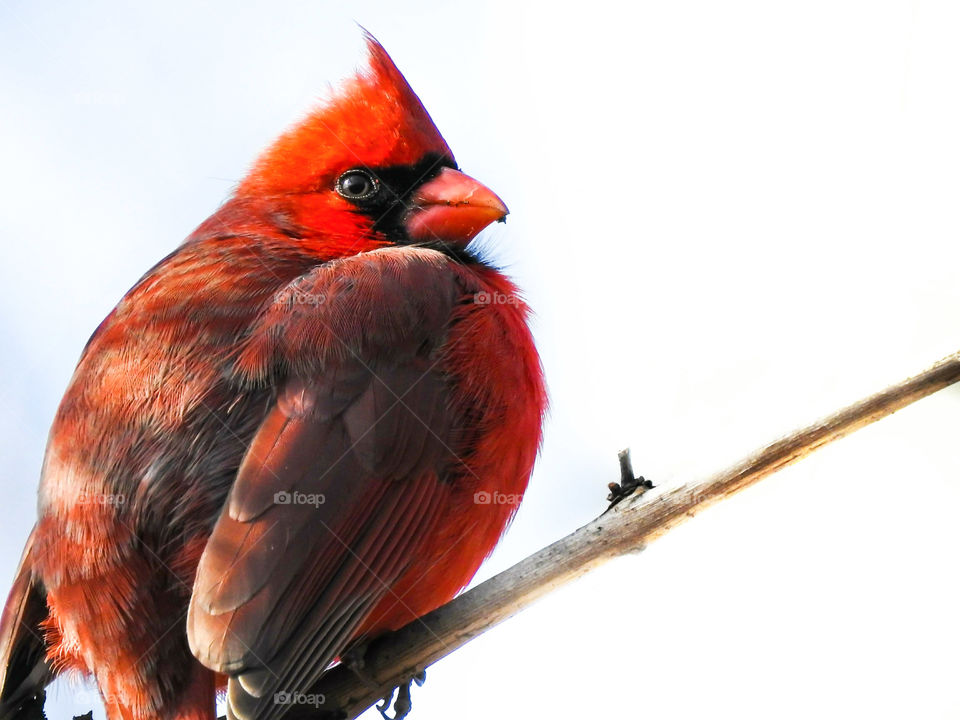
<point x="629" y="527"/>
<point x="628" y="483"/>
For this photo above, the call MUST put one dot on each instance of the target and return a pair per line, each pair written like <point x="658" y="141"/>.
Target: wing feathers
<point x="344" y="481"/>
<point x="24" y="670"/>
<point x="364" y="576"/>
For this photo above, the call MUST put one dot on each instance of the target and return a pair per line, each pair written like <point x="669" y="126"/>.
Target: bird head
<point x="370" y="164"/>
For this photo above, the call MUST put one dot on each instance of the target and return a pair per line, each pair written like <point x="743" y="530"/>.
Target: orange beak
<point x="452" y="208"/>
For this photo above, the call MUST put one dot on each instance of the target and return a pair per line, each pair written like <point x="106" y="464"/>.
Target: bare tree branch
<point x="394" y="658"/>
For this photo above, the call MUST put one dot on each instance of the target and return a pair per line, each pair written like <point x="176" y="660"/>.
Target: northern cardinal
<point x="307" y="425"/>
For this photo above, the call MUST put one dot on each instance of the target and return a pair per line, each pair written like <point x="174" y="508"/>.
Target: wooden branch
<point x="394" y="658"/>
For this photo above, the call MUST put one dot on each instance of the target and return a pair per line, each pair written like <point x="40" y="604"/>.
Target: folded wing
<point x="344" y="480"/>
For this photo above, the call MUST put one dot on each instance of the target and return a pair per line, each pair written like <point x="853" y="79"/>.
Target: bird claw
<point x="628" y="483"/>
<point x="354" y="658"/>
<point x="402" y="705"/>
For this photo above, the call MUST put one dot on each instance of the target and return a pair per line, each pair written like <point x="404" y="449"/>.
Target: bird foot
<point x="402" y="705"/>
<point x="354" y="659"/>
<point x="628" y="483"/>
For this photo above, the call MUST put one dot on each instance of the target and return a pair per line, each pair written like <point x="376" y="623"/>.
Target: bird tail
<point x="24" y="670"/>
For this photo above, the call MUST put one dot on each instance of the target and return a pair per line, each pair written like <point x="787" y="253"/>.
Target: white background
<point x="731" y="218"/>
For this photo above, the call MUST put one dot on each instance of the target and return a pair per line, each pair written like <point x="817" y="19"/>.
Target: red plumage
<point x="284" y="439"/>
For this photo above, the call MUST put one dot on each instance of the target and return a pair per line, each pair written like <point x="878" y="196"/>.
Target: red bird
<point x="286" y="437"/>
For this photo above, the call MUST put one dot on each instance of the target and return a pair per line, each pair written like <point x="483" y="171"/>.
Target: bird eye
<point x="357" y="185"/>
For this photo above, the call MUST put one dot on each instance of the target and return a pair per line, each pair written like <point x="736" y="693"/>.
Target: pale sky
<point x="731" y="218"/>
